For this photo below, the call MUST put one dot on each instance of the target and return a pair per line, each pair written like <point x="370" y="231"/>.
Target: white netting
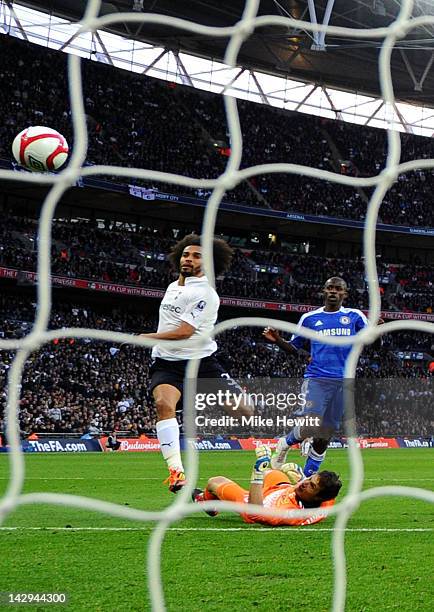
<point x="231" y="177"/>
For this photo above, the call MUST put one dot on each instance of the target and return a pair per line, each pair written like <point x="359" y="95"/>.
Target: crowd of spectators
<point x="366" y="151"/>
<point x="80" y="386"/>
<point x="396" y="405"/>
<point x="136" y="121"/>
<point x="138" y="257"/>
<point x="83" y="386"/>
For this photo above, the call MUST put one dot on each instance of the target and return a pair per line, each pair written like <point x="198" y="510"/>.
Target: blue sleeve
<point x="361" y="321"/>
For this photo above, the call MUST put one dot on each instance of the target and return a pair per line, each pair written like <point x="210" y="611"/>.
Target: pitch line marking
<point x="120" y="478"/>
<point x="250" y="529"/>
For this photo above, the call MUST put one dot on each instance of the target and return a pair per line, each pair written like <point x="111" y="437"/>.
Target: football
<point x="40" y="149"/>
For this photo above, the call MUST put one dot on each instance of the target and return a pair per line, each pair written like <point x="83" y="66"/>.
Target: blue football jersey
<point x="328" y="361"/>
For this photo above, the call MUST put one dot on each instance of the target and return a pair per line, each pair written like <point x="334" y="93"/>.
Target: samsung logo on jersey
<point x="170" y="308"/>
<point x="340" y="331"/>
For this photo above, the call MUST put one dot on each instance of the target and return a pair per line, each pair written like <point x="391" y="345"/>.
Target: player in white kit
<point x="188" y="310"/>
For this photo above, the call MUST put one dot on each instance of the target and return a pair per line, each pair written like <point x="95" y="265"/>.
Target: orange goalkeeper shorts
<point x="231" y="491"/>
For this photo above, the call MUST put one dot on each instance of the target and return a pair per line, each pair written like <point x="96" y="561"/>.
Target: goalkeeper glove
<point x="293" y="471"/>
<point x="261" y="465"/>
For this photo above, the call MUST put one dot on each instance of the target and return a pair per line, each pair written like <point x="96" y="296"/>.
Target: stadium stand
<point x="77" y="387"/>
<point x="187" y="137"/>
<point x="82" y="250"/>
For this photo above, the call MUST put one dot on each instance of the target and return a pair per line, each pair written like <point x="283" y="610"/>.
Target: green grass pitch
<point x="221" y="569"/>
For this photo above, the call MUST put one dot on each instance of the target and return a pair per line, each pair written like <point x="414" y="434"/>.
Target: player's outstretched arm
<point x="272" y="335"/>
<point x="182" y="332"/>
<point x="260" y="467"/>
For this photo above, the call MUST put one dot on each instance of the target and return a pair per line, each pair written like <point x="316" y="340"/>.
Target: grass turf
<point x="222" y="569"/>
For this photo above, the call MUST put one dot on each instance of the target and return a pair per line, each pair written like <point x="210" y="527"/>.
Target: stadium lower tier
<point x="137" y="258"/>
<point x="79" y="386"/>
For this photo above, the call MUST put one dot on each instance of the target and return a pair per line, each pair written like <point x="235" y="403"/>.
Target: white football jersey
<point x="197" y="303"/>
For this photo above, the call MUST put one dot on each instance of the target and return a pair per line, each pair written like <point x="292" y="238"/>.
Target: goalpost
<point x="232" y="175"/>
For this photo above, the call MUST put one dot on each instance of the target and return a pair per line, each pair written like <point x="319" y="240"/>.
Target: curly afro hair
<point x="222" y="252"/>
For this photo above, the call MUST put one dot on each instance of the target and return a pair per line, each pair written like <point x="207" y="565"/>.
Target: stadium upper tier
<point x="80" y="386"/>
<point x="135" y="121"/>
<point x="81" y="250"/>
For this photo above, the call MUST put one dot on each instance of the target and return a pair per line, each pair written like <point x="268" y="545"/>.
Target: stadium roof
<point x="344" y="63"/>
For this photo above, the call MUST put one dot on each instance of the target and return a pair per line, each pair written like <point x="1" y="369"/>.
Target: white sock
<point x="168" y="436"/>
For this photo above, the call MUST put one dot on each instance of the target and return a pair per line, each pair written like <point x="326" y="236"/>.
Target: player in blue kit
<point x="324" y="374"/>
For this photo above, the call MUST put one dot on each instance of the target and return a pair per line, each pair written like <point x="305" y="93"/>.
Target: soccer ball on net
<point x="40" y="149"/>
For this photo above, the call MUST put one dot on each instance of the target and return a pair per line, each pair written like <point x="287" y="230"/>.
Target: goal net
<point x="232" y="176"/>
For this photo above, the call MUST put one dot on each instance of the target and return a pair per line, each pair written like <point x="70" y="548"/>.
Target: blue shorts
<point x="325" y="399"/>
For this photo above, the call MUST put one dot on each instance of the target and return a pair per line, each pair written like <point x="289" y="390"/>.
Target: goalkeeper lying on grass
<point x="285" y="489"/>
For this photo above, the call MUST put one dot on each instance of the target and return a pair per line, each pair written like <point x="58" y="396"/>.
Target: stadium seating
<point x="107" y="389"/>
<point x="122" y="256"/>
<point x="72" y="386"/>
<point x="189" y="137"/>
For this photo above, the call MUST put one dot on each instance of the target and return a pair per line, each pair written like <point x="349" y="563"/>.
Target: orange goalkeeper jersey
<point x="277" y="493"/>
<point x="283" y="497"/>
